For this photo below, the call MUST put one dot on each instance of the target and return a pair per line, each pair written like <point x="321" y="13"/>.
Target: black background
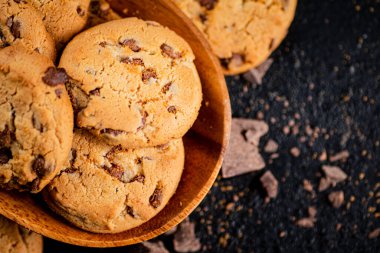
<point x="334" y="45"/>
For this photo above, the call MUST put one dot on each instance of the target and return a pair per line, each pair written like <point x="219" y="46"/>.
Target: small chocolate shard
<point x="341" y="156"/>
<point x="336" y="198"/>
<point x="208" y="4"/>
<point x="270" y="184"/>
<point x="5" y="155"/>
<point x="155" y="247"/>
<point x="139" y="178"/>
<point x="308" y="186"/>
<point x="115" y="171"/>
<point x="113" y="151"/>
<point x="166" y="87"/>
<point x="143" y="120"/>
<point x="294" y="151"/>
<point x="79" y="99"/>
<point x="5" y="137"/>
<point x="14" y="26"/>
<point x="35" y="185"/>
<point x="70" y="170"/>
<point x="335" y="173"/>
<point x="167" y="50"/>
<point x="156" y="198"/>
<point x="40" y="167"/>
<point x="112" y="131"/>
<point x="95" y="92"/>
<point x="58" y="93"/>
<point x="271" y="146"/>
<point x="305" y="222"/>
<point x="256" y="75"/>
<point x="185" y="239"/>
<point x="147" y="74"/>
<point x="80" y="11"/>
<point x="203" y="17"/>
<point x="55" y="76"/>
<point x="131" y="43"/>
<point x="132" y="61"/>
<point x="172" y="109"/>
<point x="374" y="234"/>
<point x="243" y="156"/>
<point x="103" y="43"/>
<point x="129" y="210"/>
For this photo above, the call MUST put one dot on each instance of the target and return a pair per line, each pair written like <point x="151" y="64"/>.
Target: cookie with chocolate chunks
<point x="21" y="24"/>
<point x="132" y="83"/>
<point x="109" y="189"/>
<point x="241" y="33"/>
<point x="36" y="120"/>
<point x="63" y="18"/>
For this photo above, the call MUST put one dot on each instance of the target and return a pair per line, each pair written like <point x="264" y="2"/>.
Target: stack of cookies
<point x="100" y="133"/>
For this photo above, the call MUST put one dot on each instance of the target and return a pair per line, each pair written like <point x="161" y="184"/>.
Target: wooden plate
<point x="205" y="145"/>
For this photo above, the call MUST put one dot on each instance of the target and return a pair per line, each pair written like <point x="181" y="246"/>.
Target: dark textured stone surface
<point x="334" y="45"/>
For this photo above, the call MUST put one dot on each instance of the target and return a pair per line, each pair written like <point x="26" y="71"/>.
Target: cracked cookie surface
<point x="109" y="189"/>
<point x="63" y="18"/>
<point x="36" y="120"/>
<point x="21" y="24"/>
<point x="132" y="82"/>
<point x="16" y="239"/>
<point x="242" y="33"/>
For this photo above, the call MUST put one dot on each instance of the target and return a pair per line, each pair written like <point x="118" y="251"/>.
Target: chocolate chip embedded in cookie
<point x="241" y="33"/>
<point x="110" y="189"/>
<point x="100" y="12"/>
<point x="36" y="120"/>
<point x="16" y="239"/>
<point x="132" y="83"/>
<point x="63" y="18"/>
<point x="21" y="24"/>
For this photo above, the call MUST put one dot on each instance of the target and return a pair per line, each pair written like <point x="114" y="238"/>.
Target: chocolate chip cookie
<point x="132" y="82"/>
<point x="100" y="12"/>
<point x="21" y="24"/>
<point x="16" y="239"/>
<point x="109" y="189"/>
<point x="241" y="33"/>
<point x="63" y="18"/>
<point x="36" y="119"/>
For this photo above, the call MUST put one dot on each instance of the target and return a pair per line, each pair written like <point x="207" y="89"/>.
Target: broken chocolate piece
<point x="155" y="247"/>
<point x="185" y="239"/>
<point x="5" y="155"/>
<point x="270" y="184"/>
<point x="156" y="198"/>
<point x="172" y="109"/>
<point x="55" y="76"/>
<point x="79" y="98"/>
<point x="115" y="171"/>
<point x="14" y="26"/>
<point x="58" y="93"/>
<point x="112" y="131"/>
<point x="166" y="87"/>
<point x="243" y="156"/>
<point x="40" y="167"/>
<point x="139" y="178"/>
<point x="336" y="198"/>
<point x="129" y="210"/>
<point x="80" y="11"/>
<point x="343" y="155"/>
<point x="147" y="74"/>
<point x="95" y="92"/>
<point x="167" y="50"/>
<point x="271" y="146"/>
<point x="132" y="61"/>
<point x="132" y="44"/>
<point x="208" y="4"/>
<point x="256" y="75"/>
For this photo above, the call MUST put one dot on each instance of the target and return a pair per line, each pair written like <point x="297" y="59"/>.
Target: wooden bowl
<point x="205" y="146"/>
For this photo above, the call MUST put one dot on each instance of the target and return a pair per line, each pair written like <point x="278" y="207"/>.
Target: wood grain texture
<point x="205" y="146"/>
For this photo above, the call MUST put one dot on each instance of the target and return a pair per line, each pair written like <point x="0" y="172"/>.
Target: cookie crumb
<point x="271" y="146"/>
<point x="295" y="152"/>
<point x="341" y="156"/>
<point x="155" y="247"/>
<point x="374" y="234"/>
<point x="256" y="75"/>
